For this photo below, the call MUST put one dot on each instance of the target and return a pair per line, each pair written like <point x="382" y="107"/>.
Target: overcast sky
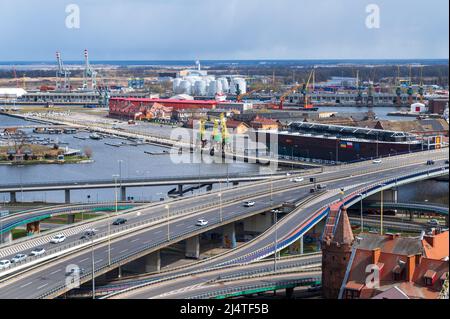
<point x="223" y="29"/>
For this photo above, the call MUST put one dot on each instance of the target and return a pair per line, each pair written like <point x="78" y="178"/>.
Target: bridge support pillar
<point x="193" y="247"/>
<point x="33" y="228"/>
<point x="258" y="223"/>
<point x="6" y="237"/>
<point x="229" y="236"/>
<point x="153" y="262"/>
<point x="180" y="190"/>
<point x="296" y="247"/>
<point x="123" y="193"/>
<point x="67" y="196"/>
<point x="12" y="197"/>
<point x="71" y="219"/>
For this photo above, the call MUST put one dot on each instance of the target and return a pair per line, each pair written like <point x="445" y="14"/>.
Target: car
<point x="75" y="271"/>
<point x="4" y="264"/>
<point x="58" y="239"/>
<point x="249" y="204"/>
<point x="297" y="180"/>
<point x="201" y="222"/>
<point x="322" y="186"/>
<point x="88" y="234"/>
<point x="377" y="161"/>
<point x="18" y="258"/>
<point x="119" y="221"/>
<point x="446" y="162"/>
<point x="430" y="162"/>
<point x="37" y="251"/>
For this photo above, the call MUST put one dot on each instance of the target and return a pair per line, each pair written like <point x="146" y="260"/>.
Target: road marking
<point x="40" y="287"/>
<point x="84" y="260"/>
<point x="26" y="284"/>
<point x="158" y="232"/>
<point x="124" y="250"/>
<point x="98" y="260"/>
<point x="134" y="240"/>
<point x="52" y="273"/>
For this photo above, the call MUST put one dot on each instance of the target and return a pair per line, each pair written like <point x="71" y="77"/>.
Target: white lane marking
<point x="52" y="273"/>
<point x="97" y="261"/>
<point x="158" y="232"/>
<point x="134" y="240"/>
<point x="84" y="260"/>
<point x="26" y="284"/>
<point x="40" y="287"/>
<point x="124" y="250"/>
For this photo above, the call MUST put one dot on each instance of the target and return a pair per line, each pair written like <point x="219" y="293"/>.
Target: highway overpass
<point x="139" y="239"/>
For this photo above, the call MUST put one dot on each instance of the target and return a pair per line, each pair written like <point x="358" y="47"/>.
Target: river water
<point x="129" y="161"/>
<point x="132" y="162"/>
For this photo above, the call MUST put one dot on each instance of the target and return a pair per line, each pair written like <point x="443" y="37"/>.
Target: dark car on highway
<point x="119" y="221"/>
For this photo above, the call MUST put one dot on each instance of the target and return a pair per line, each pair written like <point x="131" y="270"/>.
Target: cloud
<point x="234" y="29"/>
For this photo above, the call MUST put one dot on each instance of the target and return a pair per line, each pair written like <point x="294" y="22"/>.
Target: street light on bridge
<point x="168" y="222"/>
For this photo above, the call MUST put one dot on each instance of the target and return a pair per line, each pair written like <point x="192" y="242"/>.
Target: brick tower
<point x="336" y="250"/>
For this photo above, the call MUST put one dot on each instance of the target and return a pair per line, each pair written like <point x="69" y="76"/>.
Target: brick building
<point x="336" y="251"/>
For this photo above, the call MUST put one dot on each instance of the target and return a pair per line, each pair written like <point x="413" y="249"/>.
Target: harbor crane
<point x="89" y="73"/>
<point x="304" y="92"/>
<point x="62" y="75"/>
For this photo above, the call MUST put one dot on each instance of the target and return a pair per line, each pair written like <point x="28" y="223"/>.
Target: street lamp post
<point x="115" y="192"/>
<point x="168" y="222"/>
<point x="93" y="268"/>
<point x="362" y="222"/>
<point x="276" y="241"/>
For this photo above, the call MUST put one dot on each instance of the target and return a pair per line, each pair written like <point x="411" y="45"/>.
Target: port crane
<point x="241" y="96"/>
<point x="304" y="92"/>
<point x="62" y="75"/>
<point x="89" y="73"/>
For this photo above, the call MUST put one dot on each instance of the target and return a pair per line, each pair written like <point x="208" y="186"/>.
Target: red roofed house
<point x="261" y="123"/>
<point x="416" y="267"/>
<point x="406" y="267"/>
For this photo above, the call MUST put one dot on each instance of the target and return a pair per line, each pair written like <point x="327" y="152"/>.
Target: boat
<point x="95" y="136"/>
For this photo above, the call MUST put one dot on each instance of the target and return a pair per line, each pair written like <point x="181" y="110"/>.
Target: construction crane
<point x="89" y="73"/>
<point x="15" y="76"/>
<point x="410" y="90"/>
<point x="304" y="92"/>
<point x="241" y="96"/>
<point x="62" y="74"/>
<point x="421" y="91"/>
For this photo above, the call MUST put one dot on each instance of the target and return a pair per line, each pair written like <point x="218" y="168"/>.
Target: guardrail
<point x="252" y="289"/>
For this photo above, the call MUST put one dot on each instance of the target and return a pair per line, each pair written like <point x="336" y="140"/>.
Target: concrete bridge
<point x="144" y="240"/>
<point x="123" y="184"/>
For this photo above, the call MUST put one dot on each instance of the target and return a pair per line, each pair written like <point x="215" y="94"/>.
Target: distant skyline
<point x="224" y="30"/>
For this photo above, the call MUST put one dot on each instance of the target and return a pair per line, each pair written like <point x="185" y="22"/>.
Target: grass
<point x="62" y="219"/>
<point x="18" y="233"/>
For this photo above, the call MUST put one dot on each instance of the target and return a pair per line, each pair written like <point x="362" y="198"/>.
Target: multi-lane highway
<point x="47" y="280"/>
<point x="189" y="281"/>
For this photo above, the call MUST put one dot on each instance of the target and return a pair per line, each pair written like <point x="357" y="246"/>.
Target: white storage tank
<point x="185" y="87"/>
<point x="225" y="85"/>
<point x="176" y="84"/>
<point x="200" y="88"/>
<point x="238" y="82"/>
<point x="212" y="88"/>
